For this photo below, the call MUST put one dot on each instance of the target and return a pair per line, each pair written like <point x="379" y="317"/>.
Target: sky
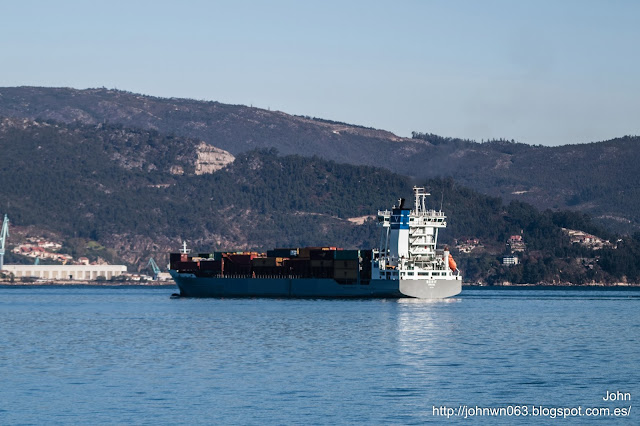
<point x="539" y="72"/>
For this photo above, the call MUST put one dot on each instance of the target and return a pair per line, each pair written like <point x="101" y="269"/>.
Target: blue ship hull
<point x="192" y="286"/>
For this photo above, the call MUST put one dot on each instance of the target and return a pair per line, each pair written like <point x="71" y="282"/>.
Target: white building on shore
<point x="65" y="272"/>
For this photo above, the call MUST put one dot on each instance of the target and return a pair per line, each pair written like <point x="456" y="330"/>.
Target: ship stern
<point x="431" y="289"/>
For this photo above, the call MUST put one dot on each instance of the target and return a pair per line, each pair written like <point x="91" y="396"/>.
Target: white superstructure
<point x="408" y="251"/>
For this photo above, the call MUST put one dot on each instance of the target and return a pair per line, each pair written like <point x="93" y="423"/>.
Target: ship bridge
<point x="409" y="237"/>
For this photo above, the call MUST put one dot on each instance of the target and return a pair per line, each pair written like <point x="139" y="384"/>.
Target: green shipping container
<point x="347" y="274"/>
<point x="347" y="254"/>
<point x="346" y="264"/>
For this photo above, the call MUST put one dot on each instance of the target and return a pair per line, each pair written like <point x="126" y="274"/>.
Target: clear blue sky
<point x="540" y="72"/>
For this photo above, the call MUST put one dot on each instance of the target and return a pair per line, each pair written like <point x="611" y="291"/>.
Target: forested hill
<point x="137" y="193"/>
<point x="600" y="178"/>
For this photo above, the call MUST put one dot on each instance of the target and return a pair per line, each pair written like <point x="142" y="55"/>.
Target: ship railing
<point x="437" y="213"/>
<point x="430" y="213"/>
<point x="427" y="223"/>
<point x="384" y="215"/>
<point x="285" y="276"/>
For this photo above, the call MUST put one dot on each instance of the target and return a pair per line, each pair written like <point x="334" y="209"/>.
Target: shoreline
<point x="173" y="284"/>
<point x="595" y="285"/>
<point x="90" y="283"/>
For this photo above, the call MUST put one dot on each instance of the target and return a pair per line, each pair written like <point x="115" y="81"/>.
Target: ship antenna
<point x="442" y="199"/>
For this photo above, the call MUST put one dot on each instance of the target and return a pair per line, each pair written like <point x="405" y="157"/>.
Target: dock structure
<point x="65" y="272"/>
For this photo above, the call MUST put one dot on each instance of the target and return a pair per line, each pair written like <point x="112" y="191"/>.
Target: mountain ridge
<point x="599" y="178"/>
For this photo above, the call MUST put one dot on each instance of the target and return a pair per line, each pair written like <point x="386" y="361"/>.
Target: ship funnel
<point x="399" y="235"/>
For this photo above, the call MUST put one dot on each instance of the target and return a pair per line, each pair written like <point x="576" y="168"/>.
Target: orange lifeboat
<point x="452" y="264"/>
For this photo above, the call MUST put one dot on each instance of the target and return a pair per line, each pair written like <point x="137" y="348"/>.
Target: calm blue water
<point x="133" y="355"/>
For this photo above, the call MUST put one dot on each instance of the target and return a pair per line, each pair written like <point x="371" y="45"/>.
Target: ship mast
<point x="3" y="237"/>
<point x="424" y="228"/>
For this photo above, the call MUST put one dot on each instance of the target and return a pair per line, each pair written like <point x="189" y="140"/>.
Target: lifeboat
<point x="452" y="264"/>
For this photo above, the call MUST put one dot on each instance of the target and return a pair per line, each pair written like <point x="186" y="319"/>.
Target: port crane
<point x="154" y="266"/>
<point x="3" y="237"/>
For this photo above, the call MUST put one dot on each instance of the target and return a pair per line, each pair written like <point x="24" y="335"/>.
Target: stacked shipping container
<point x="345" y="266"/>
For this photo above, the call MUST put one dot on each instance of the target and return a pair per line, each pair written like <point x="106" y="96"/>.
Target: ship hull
<point x="430" y="289"/>
<point x="192" y="286"/>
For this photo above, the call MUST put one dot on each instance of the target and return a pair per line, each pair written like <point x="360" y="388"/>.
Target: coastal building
<point x="65" y="272"/>
<point x="39" y="251"/>
<point x="515" y="243"/>
<point x="510" y="260"/>
<point x="585" y="239"/>
<point x="467" y="245"/>
<point x="164" y="276"/>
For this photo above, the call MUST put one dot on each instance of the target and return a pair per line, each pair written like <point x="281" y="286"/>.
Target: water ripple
<point x="133" y="355"/>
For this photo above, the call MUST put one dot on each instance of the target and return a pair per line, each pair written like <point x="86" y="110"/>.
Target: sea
<point x="134" y="355"/>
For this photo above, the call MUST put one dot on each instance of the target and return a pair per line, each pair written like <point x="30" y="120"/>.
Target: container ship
<point x="406" y="264"/>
